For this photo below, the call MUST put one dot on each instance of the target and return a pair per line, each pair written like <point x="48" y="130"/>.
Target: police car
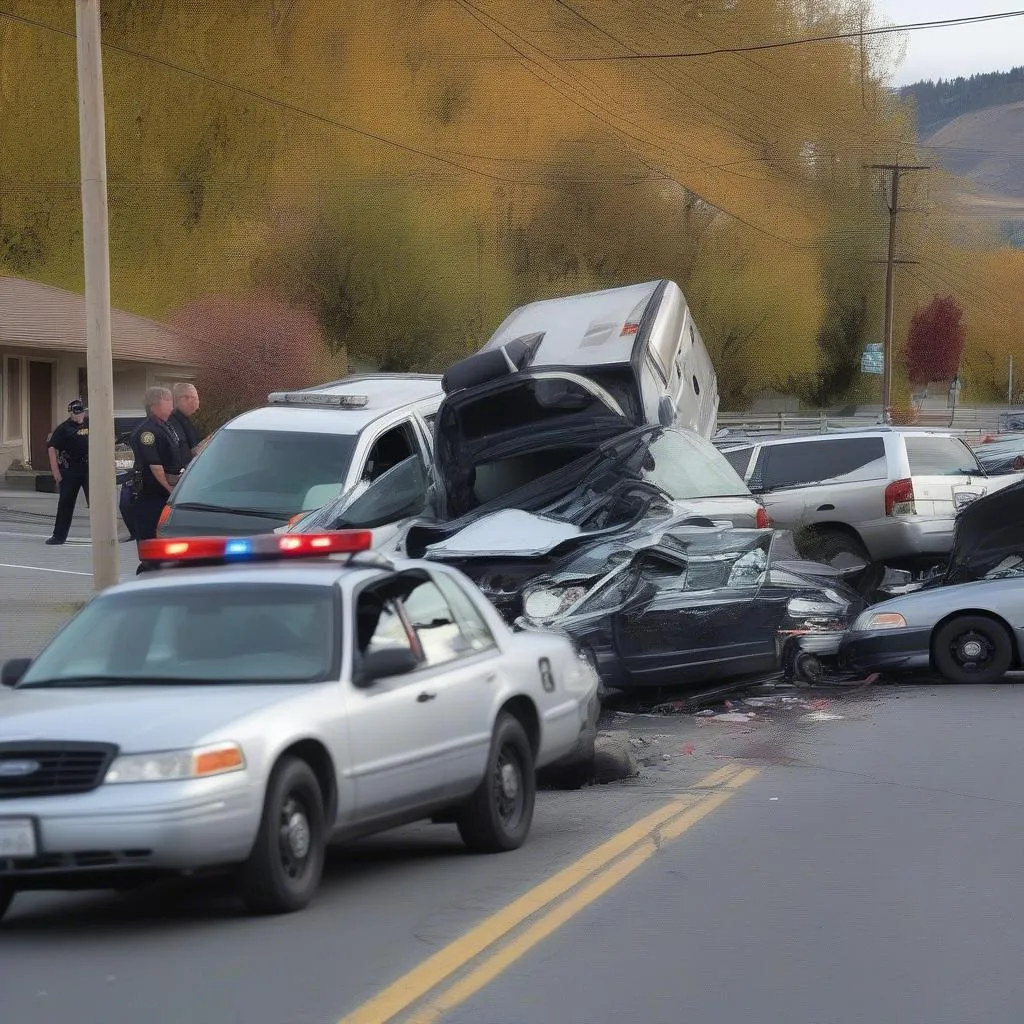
<point x="270" y="695"/>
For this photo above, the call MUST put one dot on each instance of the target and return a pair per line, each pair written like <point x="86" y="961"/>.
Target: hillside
<point x="938" y="103"/>
<point x="986" y="146"/>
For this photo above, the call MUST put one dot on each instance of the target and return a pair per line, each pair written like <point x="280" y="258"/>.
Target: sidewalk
<point x="38" y="510"/>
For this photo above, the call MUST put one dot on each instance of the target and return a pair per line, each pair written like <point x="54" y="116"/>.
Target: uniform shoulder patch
<point x="147" y="437"/>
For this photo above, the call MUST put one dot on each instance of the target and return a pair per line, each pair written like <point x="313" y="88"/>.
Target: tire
<point x="807" y="667"/>
<point x="496" y="820"/>
<point x="283" y="871"/>
<point x="972" y="649"/>
<point x="824" y="545"/>
<point x="6" y="898"/>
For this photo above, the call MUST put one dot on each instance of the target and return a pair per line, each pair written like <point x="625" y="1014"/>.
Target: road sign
<point x="872" y="360"/>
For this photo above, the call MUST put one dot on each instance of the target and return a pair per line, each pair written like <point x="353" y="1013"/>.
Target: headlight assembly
<point x="880" y="620"/>
<point x="174" y="765"/>
<point x="547" y="603"/>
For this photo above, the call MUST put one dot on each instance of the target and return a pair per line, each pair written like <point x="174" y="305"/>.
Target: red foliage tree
<point x="935" y="341"/>
<point x="246" y="348"/>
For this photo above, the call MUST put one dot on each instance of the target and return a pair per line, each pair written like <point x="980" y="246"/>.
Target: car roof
<point x="384" y="392"/>
<point x="325" y="572"/>
<point x="579" y="330"/>
<point x="748" y="440"/>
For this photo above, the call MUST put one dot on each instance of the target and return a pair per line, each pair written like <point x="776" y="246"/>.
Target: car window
<point x="685" y="466"/>
<point x="808" y="462"/>
<point x="230" y="634"/>
<point x="277" y="471"/>
<point x="400" y="493"/>
<point x="940" y="456"/>
<point x="739" y="460"/>
<point x="435" y="625"/>
<point x="391" y="448"/>
<point x="474" y="628"/>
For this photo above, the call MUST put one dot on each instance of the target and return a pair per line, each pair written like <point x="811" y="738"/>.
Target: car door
<point x="408" y="732"/>
<point x="699" y="621"/>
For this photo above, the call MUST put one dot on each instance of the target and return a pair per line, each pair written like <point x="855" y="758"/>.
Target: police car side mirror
<point x="393" y="661"/>
<point x="13" y="671"/>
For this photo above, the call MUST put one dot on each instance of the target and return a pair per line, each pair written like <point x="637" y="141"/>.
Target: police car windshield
<point x="192" y="634"/>
<point x="279" y="472"/>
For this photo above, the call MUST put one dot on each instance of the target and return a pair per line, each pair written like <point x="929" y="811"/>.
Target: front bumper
<point x="886" y="650"/>
<point x="139" y="828"/>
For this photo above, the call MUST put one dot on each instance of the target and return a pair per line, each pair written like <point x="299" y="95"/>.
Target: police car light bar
<point x="316" y="398"/>
<point x="263" y="547"/>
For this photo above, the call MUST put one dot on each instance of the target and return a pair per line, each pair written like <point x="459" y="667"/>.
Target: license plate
<point x="17" y="838"/>
<point x="962" y="498"/>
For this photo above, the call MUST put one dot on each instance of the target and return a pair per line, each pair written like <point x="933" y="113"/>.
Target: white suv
<point x="305" y="449"/>
<point x="887" y="495"/>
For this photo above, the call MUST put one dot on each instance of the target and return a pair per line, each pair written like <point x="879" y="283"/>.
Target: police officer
<point x="68" y="449"/>
<point x="186" y="405"/>
<point x="158" y="455"/>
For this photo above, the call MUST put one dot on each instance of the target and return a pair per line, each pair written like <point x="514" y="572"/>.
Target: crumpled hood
<point x="137" y="719"/>
<point x="987" y="532"/>
<point x="506" y="532"/>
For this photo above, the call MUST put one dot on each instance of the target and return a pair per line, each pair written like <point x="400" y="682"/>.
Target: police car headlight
<point x="879" y="620"/>
<point x="171" y="765"/>
<point x="546" y="603"/>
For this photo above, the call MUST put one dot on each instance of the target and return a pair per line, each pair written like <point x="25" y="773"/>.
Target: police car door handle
<point x="424" y="697"/>
<point x="490" y="677"/>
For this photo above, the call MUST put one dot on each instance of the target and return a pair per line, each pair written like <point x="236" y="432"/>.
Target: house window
<point x="12" y="399"/>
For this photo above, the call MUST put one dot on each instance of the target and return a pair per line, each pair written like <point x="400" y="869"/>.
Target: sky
<point x="960" y="50"/>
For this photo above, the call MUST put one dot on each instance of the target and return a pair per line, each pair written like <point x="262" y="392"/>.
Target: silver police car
<point x="251" y="704"/>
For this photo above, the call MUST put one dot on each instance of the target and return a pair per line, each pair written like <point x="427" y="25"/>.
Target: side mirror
<point x="13" y="670"/>
<point x="392" y="661"/>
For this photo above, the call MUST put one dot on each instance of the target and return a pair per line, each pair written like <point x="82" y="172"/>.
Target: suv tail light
<point x="763" y="520"/>
<point x="899" y="499"/>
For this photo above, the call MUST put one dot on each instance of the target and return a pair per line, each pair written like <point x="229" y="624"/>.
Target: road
<point x="864" y="867"/>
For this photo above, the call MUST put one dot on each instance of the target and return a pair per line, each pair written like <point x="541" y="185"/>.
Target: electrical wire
<point x="834" y="37"/>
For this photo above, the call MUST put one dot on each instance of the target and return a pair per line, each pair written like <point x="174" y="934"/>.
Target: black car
<point x="1004" y="455"/>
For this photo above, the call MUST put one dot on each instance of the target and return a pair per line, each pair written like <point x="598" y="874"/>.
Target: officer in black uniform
<point x="186" y="405"/>
<point x="158" y="456"/>
<point x="68" y="449"/>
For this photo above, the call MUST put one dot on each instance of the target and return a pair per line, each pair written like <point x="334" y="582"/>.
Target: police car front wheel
<point x="283" y="871"/>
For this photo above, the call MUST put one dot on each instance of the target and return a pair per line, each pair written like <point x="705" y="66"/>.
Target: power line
<point x="881" y="30"/>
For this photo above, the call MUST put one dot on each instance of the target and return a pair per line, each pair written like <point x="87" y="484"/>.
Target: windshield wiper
<point x="197" y="506"/>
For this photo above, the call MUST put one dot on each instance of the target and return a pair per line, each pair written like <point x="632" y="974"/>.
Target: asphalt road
<point x="859" y="868"/>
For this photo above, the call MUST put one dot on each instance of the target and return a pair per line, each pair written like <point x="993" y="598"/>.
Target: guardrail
<point x="972" y="424"/>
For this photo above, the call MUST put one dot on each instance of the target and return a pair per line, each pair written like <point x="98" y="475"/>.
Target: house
<point x="43" y="364"/>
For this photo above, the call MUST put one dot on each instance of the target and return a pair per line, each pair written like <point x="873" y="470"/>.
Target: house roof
<point x="34" y="315"/>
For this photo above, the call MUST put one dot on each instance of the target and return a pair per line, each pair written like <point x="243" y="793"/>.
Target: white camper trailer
<point x="639" y="343"/>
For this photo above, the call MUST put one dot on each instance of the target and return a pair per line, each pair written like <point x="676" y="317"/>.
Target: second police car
<point x="271" y="695"/>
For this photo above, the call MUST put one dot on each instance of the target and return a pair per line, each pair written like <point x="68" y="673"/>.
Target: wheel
<point x="283" y="871"/>
<point x="825" y="545"/>
<point x="499" y="814"/>
<point x="6" y="898"/>
<point x="972" y="649"/>
<point x="808" y="667"/>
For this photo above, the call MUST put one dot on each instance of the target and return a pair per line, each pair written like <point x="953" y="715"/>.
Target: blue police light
<point x="238" y="548"/>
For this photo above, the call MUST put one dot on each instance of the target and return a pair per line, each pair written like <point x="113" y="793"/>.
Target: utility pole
<point x="896" y="171"/>
<point x="99" y="360"/>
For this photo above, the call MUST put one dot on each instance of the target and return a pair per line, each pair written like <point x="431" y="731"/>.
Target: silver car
<point x="243" y="716"/>
<point x="884" y="495"/>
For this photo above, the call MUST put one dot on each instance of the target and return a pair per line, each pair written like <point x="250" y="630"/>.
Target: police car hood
<point x="140" y="719"/>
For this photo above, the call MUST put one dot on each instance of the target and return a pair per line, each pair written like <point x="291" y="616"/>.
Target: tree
<point x="935" y="341"/>
<point x="249" y="347"/>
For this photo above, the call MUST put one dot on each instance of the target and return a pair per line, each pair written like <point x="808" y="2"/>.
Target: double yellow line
<point x="581" y="883"/>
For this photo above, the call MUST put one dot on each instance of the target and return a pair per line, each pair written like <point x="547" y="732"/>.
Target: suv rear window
<point x="809" y="462"/>
<point x="940" y="456"/>
<point x="280" y="472"/>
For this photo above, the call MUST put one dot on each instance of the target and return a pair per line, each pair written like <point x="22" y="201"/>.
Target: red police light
<point x="263" y="547"/>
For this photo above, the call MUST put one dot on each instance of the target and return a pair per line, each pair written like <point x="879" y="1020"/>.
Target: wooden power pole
<point x="895" y="170"/>
<point x="99" y="360"/>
